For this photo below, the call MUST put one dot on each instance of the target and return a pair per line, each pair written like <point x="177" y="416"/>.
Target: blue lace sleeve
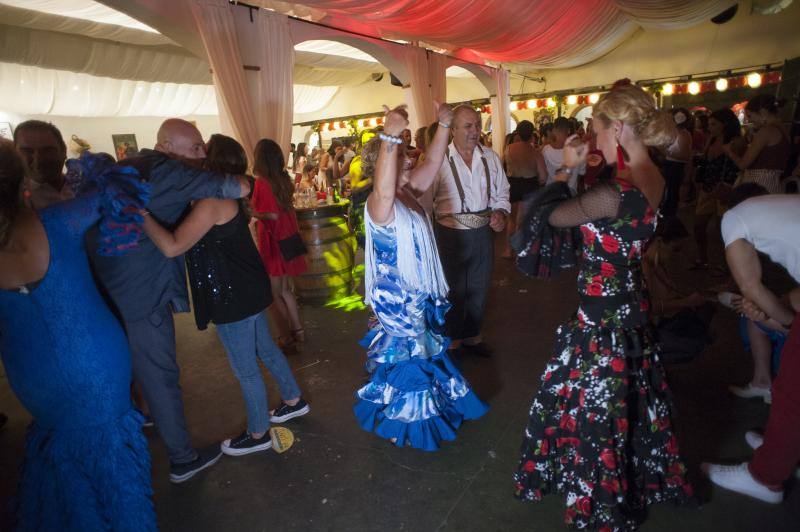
<point x="116" y="194"/>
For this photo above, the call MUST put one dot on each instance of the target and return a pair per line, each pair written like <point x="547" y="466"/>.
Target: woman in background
<point x="272" y="206"/>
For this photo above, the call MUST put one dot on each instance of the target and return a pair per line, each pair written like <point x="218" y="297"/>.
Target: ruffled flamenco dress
<point x="600" y="429"/>
<point x="86" y="465"/>
<point x="415" y="395"/>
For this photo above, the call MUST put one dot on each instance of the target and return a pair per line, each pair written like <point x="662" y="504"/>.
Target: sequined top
<point x="226" y="275"/>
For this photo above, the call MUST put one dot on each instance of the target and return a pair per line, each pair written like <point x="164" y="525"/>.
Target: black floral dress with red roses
<point x="600" y="429"/>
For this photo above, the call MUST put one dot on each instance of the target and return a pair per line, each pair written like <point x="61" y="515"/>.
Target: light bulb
<point x="668" y="89"/>
<point x="551" y="102"/>
<point x="532" y="104"/>
<point x="721" y="84"/>
<point x="754" y="80"/>
<point x="594" y="98"/>
<point x="572" y="99"/>
<point x="694" y="88"/>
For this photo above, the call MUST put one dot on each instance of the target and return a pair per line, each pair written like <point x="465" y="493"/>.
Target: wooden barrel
<point x="331" y="252"/>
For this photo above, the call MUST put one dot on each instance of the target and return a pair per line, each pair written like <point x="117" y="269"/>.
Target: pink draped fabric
<point x="543" y="33"/>
<point x="426" y="72"/>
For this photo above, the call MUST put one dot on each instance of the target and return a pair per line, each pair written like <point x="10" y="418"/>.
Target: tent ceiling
<point x="81" y="9"/>
<point x="537" y="33"/>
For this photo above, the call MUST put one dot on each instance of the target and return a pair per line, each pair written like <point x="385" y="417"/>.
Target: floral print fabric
<point x="600" y="429"/>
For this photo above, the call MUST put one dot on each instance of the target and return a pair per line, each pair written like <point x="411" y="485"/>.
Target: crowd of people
<point x="95" y="262"/>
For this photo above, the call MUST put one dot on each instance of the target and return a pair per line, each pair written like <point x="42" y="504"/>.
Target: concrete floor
<point x="338" y="477"/>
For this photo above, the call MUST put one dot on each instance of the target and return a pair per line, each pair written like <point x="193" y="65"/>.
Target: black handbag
<point x="292" y="247"/>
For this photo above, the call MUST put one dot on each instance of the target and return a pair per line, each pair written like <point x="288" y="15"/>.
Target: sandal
<point x="299" y="335"/>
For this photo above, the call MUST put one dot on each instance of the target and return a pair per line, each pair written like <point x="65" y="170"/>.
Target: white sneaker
<point x="750" y="391"/>
<point x="738" y="478"/>
<point x="756" y="440"/>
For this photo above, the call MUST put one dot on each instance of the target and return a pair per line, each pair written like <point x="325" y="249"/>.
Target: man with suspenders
<point x="470" y="200"/>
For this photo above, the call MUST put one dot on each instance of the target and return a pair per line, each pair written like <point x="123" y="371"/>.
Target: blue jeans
<point x="246" y="342"/>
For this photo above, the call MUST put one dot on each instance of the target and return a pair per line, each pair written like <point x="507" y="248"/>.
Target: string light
<point x="668" y="89"/>
<point x="532" y="104"/>
<point x="513" y="106"/>
<point x="594" y="98"/>
<point x="373" y="122"/>
<point x="572" y="99"/>
<point x="693" y="88"/>
<point x="754" y="80"/>
<point x="551" y="102"/>
<point x="721" y="84"/>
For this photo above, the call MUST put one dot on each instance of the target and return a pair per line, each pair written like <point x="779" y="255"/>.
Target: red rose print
<point x="595" y="287"/>
<point x="568" y="423"/>
<point x="592" y="417"/>
<point x="529" y="466"/>
<point x="646" y="363"/>
<point x="607" y="269"/>
<point x="569" y="516"/>
<point x="605" y="528"/>
<point x="676" y="468"/>
<point x="687" y="489"/>
<point x="648" y="216"/>
<point x="575" y="374"/>
<point x="618" y="364"/>
<point x="634" y="223"/>
<point x="644" y="305"/>
<point x="584" y="505"/>
<point x="547" y="376"/>
<point x="611" y="486"/>
<point x="610" y="244"/>
<point x="549" y="431"/>
<point x="588" y="235"/>
<point x="582" y="397"/>
<point x="622" y="425"/>
<point x="608" y="458"/>
<point x="544" y="447"/>
<point x="593" y="346"/>
<point x="672" y="445"/>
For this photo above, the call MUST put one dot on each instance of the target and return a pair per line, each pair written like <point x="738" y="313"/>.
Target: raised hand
<point x="444" y="113"/>
<point x="395" y="121"/>
<point x="575" y="152"/>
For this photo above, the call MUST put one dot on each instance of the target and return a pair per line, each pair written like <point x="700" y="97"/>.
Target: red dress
<point x="272" y="231"/>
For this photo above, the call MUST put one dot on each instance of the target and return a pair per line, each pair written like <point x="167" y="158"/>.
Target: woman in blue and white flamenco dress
<point x="87" y="466"/>
<point x="415" y="396"/>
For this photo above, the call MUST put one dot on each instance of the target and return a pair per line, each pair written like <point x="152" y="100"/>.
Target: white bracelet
<point x="390" y="138"/>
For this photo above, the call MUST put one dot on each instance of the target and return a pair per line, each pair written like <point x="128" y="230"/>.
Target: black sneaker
<point x="286" y="412"/>
<point x="244" y="443"/>
<point x="205" y="458"/>
<point x="480" y="349"/>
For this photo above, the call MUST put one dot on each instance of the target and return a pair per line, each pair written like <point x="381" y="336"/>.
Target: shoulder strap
<point x="488" y="178"/>
<point x="460" y="187"/>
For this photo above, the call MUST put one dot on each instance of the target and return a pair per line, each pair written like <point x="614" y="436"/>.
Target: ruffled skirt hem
<point x="94" y="478"/>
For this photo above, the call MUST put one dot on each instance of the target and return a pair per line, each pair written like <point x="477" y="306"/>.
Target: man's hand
<point x="498" y="221"/>
<point x="575" y="152"/>
<point x="751" y="311"/>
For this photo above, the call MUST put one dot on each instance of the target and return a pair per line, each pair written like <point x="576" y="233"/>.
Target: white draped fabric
<point x="539" y="33"/>
<point x="426" y="72"/>
<point x="100" y="57"/>
<point x="214" y="20"/>
<point x="82" y="9"/>
<point x="500" y="112"/>
<point x="673" y="14"/>
<point x="27" y="90"/>
<point x="254" y="104"/>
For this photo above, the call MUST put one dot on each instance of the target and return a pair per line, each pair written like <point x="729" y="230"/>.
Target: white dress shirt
<point x="446" y="199"/>
<point x="554" y="160"/>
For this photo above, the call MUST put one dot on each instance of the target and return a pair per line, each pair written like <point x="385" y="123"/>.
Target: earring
<point x="621" y="156"/>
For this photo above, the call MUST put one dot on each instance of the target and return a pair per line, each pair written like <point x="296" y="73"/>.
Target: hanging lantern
<point x="668" y="89"/>
<point x="531" y="104"/>
<point x="721" y="84"/>
<point x="594" y="98"/>
<point x="754" y="80"/>
<point x="693" y="88"/>
<point x="572" y="99"/>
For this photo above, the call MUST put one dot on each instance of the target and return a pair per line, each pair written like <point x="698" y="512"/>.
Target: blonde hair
<point x="637" y="109"/>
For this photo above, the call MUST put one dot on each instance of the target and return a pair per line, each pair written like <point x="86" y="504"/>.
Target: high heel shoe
<point x="299" y="335"/>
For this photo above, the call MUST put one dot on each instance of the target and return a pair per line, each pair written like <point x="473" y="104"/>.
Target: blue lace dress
<point x="415" y="394"/>
<point x="87" y="465"/>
